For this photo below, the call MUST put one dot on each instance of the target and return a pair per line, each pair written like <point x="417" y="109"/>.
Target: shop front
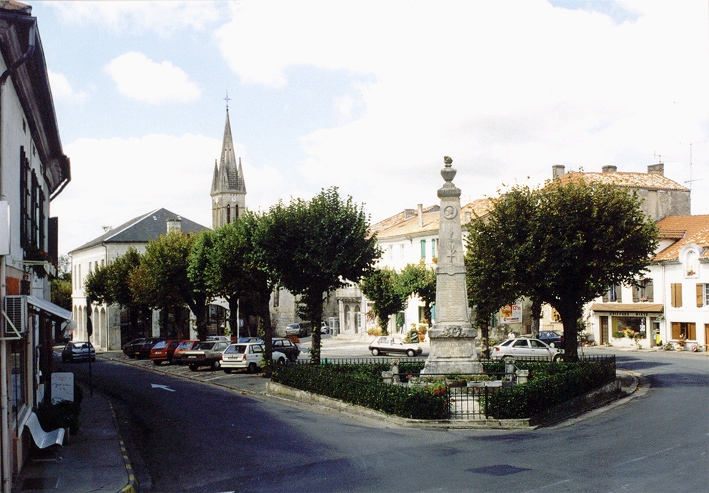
<point x="627" y="324"/>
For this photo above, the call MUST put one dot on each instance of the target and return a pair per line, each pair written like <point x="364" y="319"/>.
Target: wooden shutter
<point x="676" y="289"/>
<point x="700" y="295"/>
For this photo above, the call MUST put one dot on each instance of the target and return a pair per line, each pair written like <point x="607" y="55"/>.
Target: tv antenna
<point x="691" y="180"/>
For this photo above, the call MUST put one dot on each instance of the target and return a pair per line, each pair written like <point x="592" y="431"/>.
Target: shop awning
<point x="628" y="307"/>
<point x="55" y="311"/>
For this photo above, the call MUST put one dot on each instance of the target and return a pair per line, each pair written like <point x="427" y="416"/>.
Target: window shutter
<point x="700" y="295"/>
<point x="676" y="295"/>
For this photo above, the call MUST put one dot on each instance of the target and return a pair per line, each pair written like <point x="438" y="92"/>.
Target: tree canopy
<point x="382" y="288"/>
<point x="564" y="244"/>
<point x="313" y="247"/>
<point x="419" y="280"/>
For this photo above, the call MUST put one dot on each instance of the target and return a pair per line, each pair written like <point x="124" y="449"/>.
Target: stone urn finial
<point x="448" y="173"/>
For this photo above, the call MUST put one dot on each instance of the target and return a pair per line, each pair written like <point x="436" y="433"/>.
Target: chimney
<point x="557" y="171"/>
<point x="420" y="213"/>
<point x="174" y="224"/>
<point x="656" y="169"/>
<point x="609" y="169"/>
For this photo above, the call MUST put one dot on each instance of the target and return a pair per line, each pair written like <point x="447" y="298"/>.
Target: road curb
<point x="132" y="486"/>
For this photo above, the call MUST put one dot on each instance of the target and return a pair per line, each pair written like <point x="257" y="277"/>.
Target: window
<point x="644" y="291"/>
<point x="402" y="250"/>
<point x="32" y="222"/>
<point x="423" y="249"/>
<point x="614" y="294"/>
<point x="681" y="330"/>
<point x="676" y="295"/>
<point x="228" y="214"/>
<point x="691" y="268"/>
<point x="702" y="295"/>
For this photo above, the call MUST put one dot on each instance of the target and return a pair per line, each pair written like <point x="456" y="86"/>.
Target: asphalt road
<point x="187" y="436"/>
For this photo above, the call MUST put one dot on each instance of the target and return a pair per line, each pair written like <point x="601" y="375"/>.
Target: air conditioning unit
<point x="15" y="314"/>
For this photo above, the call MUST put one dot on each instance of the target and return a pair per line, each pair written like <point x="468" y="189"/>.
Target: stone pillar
<point x="452" y="336"/>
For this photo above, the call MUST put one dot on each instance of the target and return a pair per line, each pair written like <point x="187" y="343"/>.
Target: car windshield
<point x="185" y="345"/>
<point x="205" y="345"/>
<point x="160" y="345"/>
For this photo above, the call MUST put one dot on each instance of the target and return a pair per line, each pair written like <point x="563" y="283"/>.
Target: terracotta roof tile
<point x="653" y="181"/>
<point x="687" y="230"/>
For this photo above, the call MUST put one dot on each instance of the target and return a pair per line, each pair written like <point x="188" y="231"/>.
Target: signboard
<point x="62" y="387"/>
<point x="511" y="314"/>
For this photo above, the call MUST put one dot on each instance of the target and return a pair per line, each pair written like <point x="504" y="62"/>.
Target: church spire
<point x="228" y="185"/>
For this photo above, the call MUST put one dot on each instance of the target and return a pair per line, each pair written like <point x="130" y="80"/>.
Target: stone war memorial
<point x="452" y="335"/>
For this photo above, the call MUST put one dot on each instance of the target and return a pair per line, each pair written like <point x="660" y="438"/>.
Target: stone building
<point x="228" y="185"/>
<point x="33" y="171"/>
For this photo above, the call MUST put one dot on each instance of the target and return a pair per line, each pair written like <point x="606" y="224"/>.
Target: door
<point x="604" y="329"/>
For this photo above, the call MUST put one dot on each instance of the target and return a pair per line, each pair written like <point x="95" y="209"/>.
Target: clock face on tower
<point x="233" y="198"/>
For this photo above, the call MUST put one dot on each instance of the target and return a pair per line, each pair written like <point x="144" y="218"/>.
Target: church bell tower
<point x="228" y="187"/>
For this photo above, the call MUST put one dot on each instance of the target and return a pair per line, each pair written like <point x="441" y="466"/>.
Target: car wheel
<point x="251" y="368"/>
<point x="227" y="371"/>
<point x="375" y="352"/>
<point x="558" y="357"/>
<point x="281" y="361"/>
<point x="193" y="367"/>
<point x="156" y="362"/>
<point x="410" y="353"/>
<point x="216" y="365"/>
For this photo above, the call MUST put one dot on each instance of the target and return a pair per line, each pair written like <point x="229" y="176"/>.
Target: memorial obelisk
<point x="452" y="335"/>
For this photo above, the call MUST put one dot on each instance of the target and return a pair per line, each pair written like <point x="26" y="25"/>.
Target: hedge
<point x="362" y="385"/>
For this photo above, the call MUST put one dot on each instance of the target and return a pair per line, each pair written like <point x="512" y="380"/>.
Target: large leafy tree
<point x="163" y="280"/>
<point x="382" y="288"/>
<point x="563" y="244"/>
<point x="312" y="247"/>
<point x="419" y="280"/>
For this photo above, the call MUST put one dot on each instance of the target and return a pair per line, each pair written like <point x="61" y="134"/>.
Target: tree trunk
<point x="570" y="316"/>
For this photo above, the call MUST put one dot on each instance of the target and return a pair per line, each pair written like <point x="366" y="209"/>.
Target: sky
<point x="367" y="96"/>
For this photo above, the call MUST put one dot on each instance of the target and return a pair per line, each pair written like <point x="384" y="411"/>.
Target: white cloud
<point x="62" y="89"/>
<point x="140" y="78"/>
<point x="134" y="176"/>
<point x="506" y="88"/>
<point x="161" y="17"/>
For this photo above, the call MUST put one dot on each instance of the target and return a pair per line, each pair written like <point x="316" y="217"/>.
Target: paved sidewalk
<point x="94" y="460"/>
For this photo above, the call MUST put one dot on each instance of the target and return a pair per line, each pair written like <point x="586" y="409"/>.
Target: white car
<point x="391" y="345"/>
<point x="248" y="356"/>
<point x="525" y="348"/>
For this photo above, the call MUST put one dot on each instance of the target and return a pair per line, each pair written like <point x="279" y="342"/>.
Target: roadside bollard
<point x="395" y="371"/>
<point x="387" y="377"/>
<point x="522" y="376"/>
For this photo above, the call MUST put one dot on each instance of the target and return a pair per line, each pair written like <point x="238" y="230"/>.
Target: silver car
<point x="525" y="348"/>
<point x="78" y="351"/>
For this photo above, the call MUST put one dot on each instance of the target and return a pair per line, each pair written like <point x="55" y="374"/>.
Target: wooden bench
<point x="44" y="439"/>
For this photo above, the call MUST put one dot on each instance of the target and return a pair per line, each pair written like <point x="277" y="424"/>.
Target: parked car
<point x="553" y="339"/>
<point x="285" y="346"/>
<point x="297" y="329"/>
<point x="248" y="356"/>
<point x="324" y="328"/>
<point x="250" y="339"/>
<point x="391" y="345"/>
<point x="525" y="348"/>
<point x="180" y="350"/>
<point x="205" y="353"/>
<point x="78" y="351"/>
<point x="164" y="351"/>
<point x="129" y="347"/>
<point x="140" y="348"/>
<point x="219" y="338"/>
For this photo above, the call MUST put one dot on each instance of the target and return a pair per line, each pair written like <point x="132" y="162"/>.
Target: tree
<point x="163" y="280"/>
<point x="419" y="280"/>
<point x="313" y="247"/>
<point x="563" y="245"/>
<point x="382" y="288"/>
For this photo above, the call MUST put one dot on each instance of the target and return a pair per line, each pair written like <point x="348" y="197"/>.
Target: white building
<point x="33" y="171"/>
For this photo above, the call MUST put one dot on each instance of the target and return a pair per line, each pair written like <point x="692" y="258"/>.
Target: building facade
<point x="33" y="171"/>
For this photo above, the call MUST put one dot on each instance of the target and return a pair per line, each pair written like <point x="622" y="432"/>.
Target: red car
<point x="164" y="351"/>
<point x="184" y="346"/>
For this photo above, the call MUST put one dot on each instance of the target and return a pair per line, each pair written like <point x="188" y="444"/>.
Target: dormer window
<point x="691" y="264"/>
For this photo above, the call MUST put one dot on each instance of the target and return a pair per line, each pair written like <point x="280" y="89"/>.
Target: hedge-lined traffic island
<point x="551" y="389"/>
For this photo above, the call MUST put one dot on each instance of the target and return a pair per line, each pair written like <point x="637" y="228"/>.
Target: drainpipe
<point x="5" y="446"/>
